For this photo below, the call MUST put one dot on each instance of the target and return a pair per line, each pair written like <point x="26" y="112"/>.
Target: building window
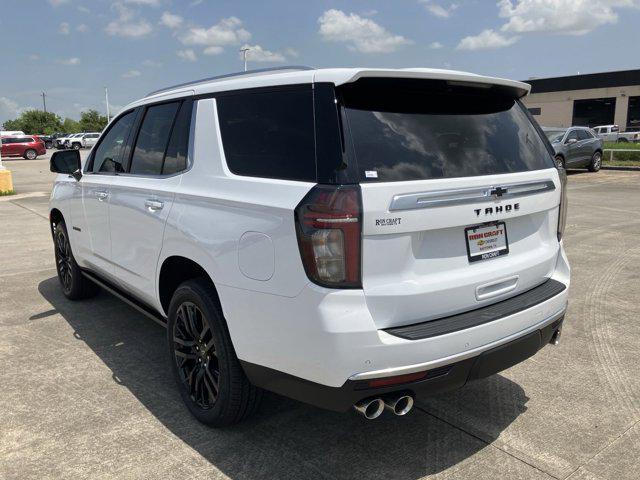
<point x="633" y="115"/>
<point x="535" y="110"/>
<point x="594" y="111"/>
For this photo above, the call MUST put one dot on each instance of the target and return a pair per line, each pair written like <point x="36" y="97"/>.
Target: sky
<point x="72" y="49"/>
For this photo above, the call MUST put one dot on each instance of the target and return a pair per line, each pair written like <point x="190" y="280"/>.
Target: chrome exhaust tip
<point x="370" y="408"/>
<point x="399" y="405"/>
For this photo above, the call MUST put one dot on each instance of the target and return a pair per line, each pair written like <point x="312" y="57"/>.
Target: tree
<point x="92" y="121"/>
<point x="70" y="126"/>
<point x="35" y="121"/>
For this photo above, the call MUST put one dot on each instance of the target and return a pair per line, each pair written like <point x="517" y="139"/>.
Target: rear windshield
<point x="425" y="130"/>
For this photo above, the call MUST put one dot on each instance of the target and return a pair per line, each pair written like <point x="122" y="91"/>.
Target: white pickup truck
<point x="612" y="133"/>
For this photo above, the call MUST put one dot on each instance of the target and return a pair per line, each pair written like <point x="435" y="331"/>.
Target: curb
<point x="626" y="169"/>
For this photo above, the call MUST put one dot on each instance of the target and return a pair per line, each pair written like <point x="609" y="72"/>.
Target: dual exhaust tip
<point x="372" y="408"/>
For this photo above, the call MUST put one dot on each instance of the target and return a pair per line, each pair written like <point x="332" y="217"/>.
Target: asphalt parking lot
<point x="85" y="390"/>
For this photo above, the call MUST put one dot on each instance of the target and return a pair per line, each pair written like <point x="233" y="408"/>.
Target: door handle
<point x="154" y="205"/>
<point x="102" y="195"/>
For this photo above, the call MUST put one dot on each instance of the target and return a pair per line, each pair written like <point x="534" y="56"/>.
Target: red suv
<point x="28" y="147"/>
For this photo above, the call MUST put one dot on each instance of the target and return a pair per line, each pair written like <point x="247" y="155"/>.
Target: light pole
<point x="244" y="56"/>
<point x="106" y="99"/>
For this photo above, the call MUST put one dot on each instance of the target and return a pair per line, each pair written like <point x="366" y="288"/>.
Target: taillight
<point x="329" y="228"/>
<point x="562" y="213"/>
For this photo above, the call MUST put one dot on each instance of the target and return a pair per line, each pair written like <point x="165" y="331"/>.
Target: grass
<point x="7" y="192"/>
<point x="622" y="146"/>
<point x="622" y="159"/>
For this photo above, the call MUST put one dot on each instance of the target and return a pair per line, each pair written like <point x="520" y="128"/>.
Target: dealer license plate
<point x="486" y="241"/>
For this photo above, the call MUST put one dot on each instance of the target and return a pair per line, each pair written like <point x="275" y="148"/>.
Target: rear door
<point x="142" y="198"/>
<point x="460" y="197"/>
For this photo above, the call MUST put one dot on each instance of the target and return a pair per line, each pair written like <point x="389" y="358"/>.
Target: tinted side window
<point x="269" y="134"/>
<point x="573" y="135"/>
<point x="176" y="157"/>
<point x="108" y="155"/>
<point x="583" y="135"/>
<point x="153" y="139"/>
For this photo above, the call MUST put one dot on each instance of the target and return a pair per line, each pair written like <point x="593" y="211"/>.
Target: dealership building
<point x="587" y="100"/>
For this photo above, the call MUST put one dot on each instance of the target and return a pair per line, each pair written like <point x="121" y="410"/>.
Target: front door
<point x="101" y="172"/>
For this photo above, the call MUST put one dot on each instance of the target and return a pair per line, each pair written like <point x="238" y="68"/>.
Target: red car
<point x="28" y="147"/>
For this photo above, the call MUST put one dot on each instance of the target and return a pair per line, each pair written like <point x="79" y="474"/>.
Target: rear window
<point x="269" y="133"/>
<point x="403" y="131"/>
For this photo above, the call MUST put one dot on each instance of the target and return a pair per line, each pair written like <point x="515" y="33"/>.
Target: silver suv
<point x="576" y="147"/>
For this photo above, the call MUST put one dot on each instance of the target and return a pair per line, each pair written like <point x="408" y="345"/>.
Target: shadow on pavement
<point x="286" y="439"/>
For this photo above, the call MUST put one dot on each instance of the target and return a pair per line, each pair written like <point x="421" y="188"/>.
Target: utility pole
<point x="44" y="102"/>
<point x="244" y="56"/>
<point x="106" y="99"/>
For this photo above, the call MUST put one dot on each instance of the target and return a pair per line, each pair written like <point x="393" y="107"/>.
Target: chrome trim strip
<point x="447" y="198"/>
<point x="405" y="369"/>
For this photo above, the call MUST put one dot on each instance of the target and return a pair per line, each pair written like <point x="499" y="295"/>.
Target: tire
<point x="48" y="145"/>
<point x="76" y="146"/>
<point x="559" y="159"/>
<point x="623" y="140"/>
<point x="30" y="154"/>
<point x="75" y="286"/>
<point x="209" y="376"/>
<point x="596" y="162"/>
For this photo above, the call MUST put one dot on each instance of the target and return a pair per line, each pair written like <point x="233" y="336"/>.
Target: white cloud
<point x="195" y="3"/>
<point x="171" y="20"/>
<point x="34" y="57"/>
<point x="188" y="55"/>
<point x="82" y="28"/>
<point x="228" y="31"/>
<point x="258" y="54"/>
<point x="572" y="17"/>
<point x="57" y="3"/>
<point x="213" y="50"/>
<point x="152" y="63"/>
<point x="8" y="108"/>
<point x="435" y="45"/>
<point x="487" y="39"/>
<point x="127" y="24"/>
<point x="361" y="34"/>
<point x="151" y="3"/>
<point x="291" y="52"/>
<point x="84" y="9"/>
<point x="63" y="29"/>
<point x="69" y="61"/>
<point x="438" y="10"/>
<point x="131" y="74"/>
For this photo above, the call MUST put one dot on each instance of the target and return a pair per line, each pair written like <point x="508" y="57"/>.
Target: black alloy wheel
<point x="63" y="260"/>
<point x="195" y="355"/>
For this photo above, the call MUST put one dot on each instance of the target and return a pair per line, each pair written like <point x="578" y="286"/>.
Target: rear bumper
<point x="444" y="378"/>
<point x="328" y="338"/>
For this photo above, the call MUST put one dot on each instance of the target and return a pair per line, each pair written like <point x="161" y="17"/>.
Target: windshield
<point x="554" y="135"/>
<point x="440" y="131"/>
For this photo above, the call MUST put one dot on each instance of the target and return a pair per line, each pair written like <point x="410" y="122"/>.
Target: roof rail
<point x="259" y="71"/>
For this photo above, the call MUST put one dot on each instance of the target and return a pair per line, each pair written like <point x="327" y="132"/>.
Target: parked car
<point x="65" y="142"/>
<point x="11" y="133"/>
<point x="338" y="236"/>
<point x="85" y="140"/>
<point x="28" y="147"/>
<point x="576" y="147"/>
<point x="612" y="133"/>
<point x="46" y="139"/>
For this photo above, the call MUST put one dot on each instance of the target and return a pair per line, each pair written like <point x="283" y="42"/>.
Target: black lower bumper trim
<point x="437" y="380"/>
<point x="495" y="311"/>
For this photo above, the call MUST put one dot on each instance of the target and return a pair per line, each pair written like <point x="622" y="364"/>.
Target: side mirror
<point x="66" y="161"/>
<point x="571" y="141"/>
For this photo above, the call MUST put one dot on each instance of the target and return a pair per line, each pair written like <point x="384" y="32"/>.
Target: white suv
<point x="344" y="237"/>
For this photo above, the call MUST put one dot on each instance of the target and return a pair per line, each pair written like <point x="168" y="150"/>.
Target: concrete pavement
<point x="85" y="390"/>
